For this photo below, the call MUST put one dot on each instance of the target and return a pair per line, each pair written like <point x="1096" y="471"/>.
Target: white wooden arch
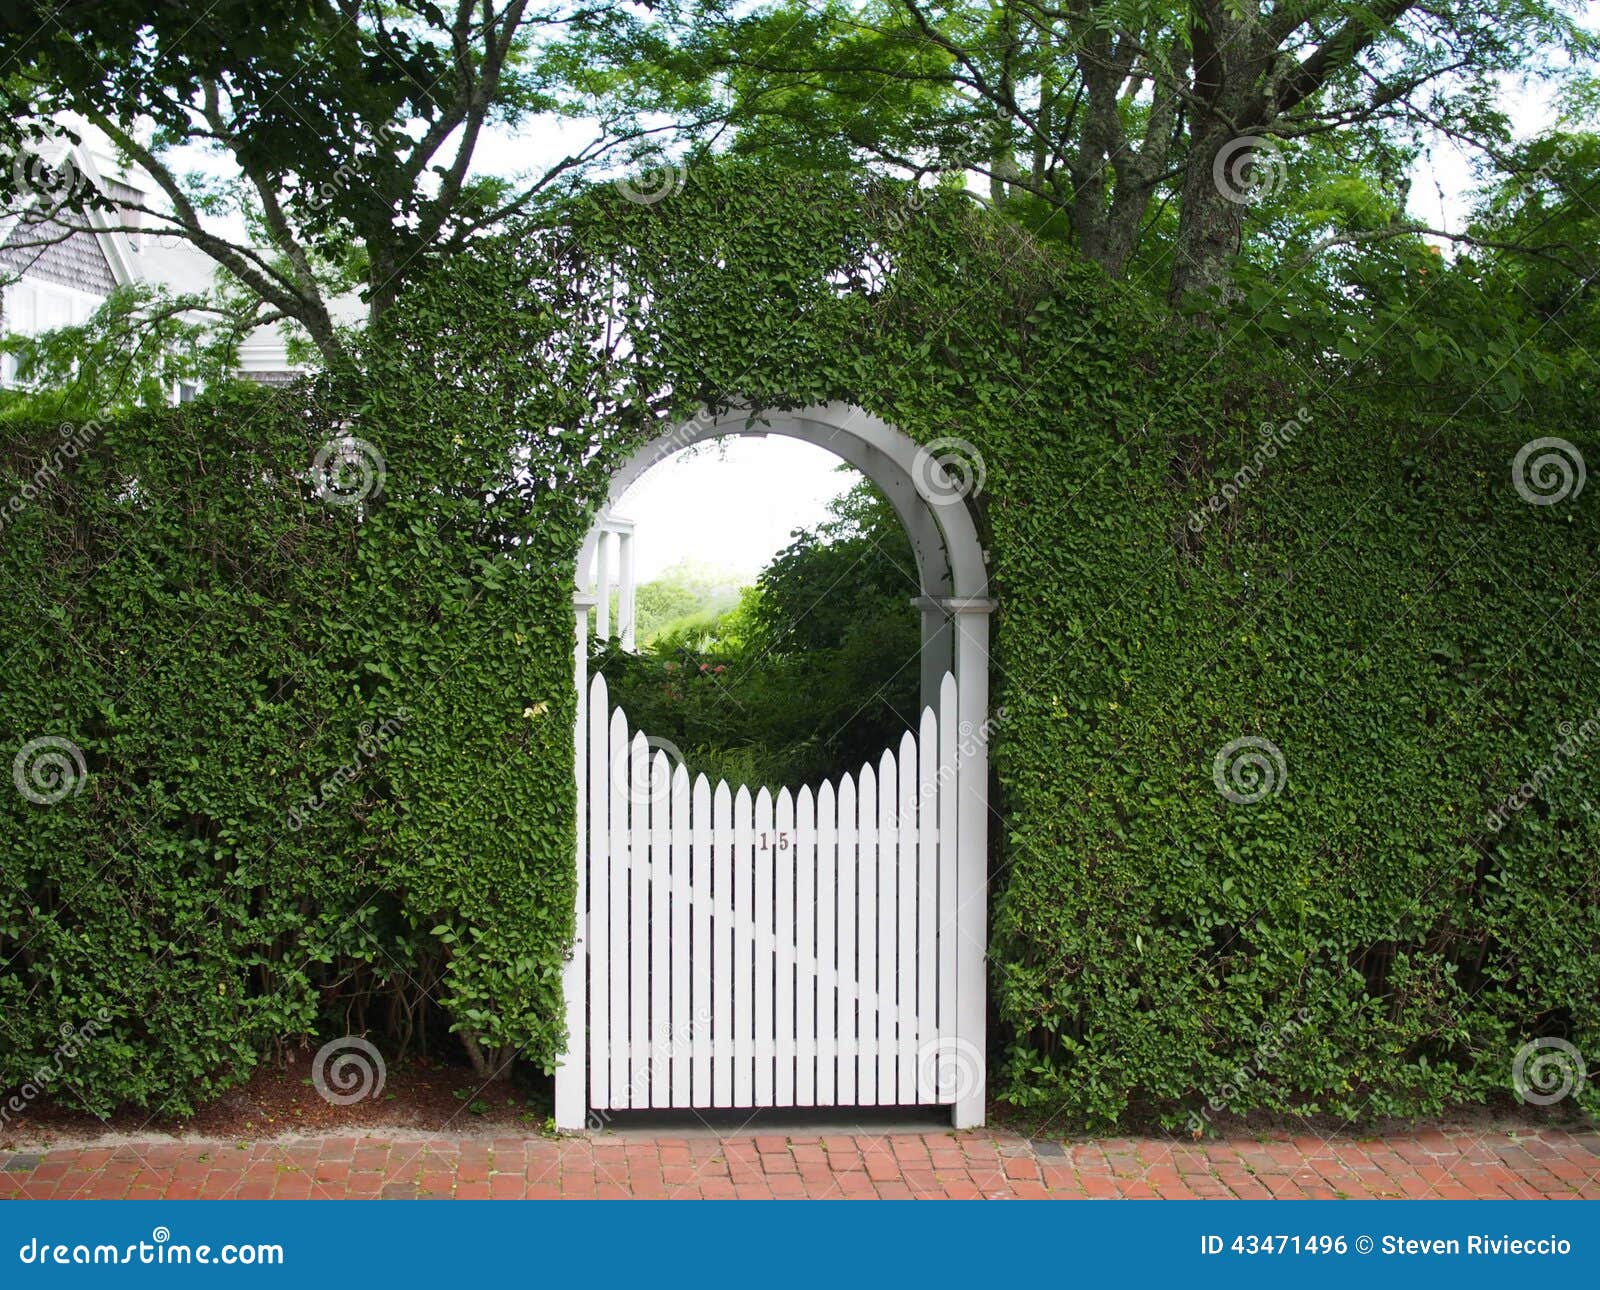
<point x="955" y="606"/>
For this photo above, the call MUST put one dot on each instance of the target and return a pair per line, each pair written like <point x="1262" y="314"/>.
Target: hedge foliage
<point x="1372" y="597"/>
<point x="328" y="746"/>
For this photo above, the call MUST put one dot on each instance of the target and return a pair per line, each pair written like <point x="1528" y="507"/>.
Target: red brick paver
<point x="973" y="1165"/>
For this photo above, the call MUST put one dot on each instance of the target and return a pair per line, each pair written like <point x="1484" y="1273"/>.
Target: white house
<point x="57" y="268"/>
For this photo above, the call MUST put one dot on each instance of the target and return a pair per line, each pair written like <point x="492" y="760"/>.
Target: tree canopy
<point x="1142" y="132"/>
<point x="340" y="138"/>
<point x="1196" y="146"/>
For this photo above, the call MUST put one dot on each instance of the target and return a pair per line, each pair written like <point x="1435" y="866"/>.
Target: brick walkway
<point x="1434" y="1163"/>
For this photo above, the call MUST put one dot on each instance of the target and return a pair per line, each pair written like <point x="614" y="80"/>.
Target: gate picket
<point x="905" y="973"/>
<point x="927" y="901"/>
<point x="848" y="947"/>
<point x="722" y="935"/>
<point x="806" y="965"/>
<point x="680" y="1033"/>
<point x="599" y="913"/>
<point x="638" y="922"/>
<point x="888" y="923"/>
<point x="867" y="938"/>
<point x="827" y="945"/>
<point x="660" y="870"/>
<point x="621" y="844"/>
<point x="701" y="954"/>
<point x="744" y="916"/>
<point x="786" y="933"/>
<point x="766" y="849"/>
<point x="752" y="951"/>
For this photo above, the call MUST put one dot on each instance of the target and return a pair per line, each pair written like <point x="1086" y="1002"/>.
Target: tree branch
<point x="1338" y="52"/>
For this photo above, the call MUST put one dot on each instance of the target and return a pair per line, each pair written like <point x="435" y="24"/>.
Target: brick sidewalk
<point x="1433" y="1163"/>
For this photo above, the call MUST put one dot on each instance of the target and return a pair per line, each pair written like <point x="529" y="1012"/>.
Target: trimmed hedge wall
<point x="327" y="750"/>
<point x="1371" y="598"/>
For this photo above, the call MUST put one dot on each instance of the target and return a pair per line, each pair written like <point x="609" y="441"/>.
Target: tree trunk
<point x="1210" y="218"/>
<point x="382" y="280"/>
<point x="488" y="1063"/>
<point x="1232" y="55"/>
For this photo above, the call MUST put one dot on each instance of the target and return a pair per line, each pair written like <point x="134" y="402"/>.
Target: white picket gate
<point x="752" y="951"/>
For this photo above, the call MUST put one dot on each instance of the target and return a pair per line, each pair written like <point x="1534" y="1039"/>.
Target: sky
<point x="730" y="505"/>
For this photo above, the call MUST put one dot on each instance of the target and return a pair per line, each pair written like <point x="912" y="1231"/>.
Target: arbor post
<point x="970" y="618"/>
<point x="572" y="1082"/>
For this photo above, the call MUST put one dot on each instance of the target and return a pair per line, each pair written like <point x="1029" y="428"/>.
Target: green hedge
<point x="1372" y="597"/>
<point x="327" y="749"/>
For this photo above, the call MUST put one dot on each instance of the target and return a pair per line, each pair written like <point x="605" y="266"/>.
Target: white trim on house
<point x="615" y="535"/>
<point x="150" y="257"/>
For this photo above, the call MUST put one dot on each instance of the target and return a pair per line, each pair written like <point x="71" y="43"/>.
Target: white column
<point x="572" y="1085"/>
<point x="602" y="586"/>
<point x="971" y="622"/>
<point x="625" y="588"/>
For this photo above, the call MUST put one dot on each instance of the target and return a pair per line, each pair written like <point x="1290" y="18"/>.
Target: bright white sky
<point x="730" y="505"/>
